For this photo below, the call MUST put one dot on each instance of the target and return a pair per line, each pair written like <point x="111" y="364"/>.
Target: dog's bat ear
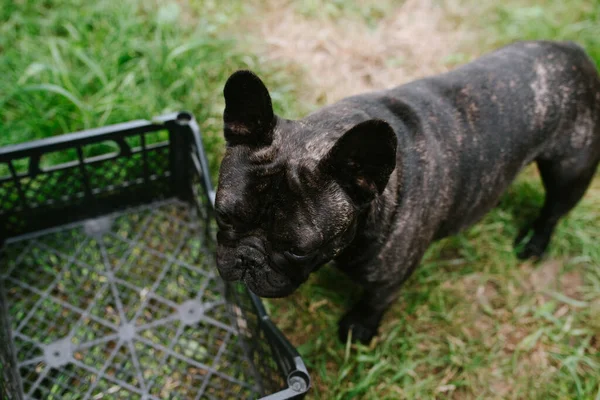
<point x="248" y="117"/>
<point x="362" y="160"/>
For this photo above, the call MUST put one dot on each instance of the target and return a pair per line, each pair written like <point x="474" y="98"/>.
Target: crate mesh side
<point x="253" y="339"/>
<point x="130" y="306"/>
<point x="36" y="194"/>
<point x="9" y="379"/>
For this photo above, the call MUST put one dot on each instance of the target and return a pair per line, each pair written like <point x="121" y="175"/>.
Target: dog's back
<point x="474" y="128"/>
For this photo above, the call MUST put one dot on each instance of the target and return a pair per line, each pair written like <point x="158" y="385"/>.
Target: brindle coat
<point x="342" y="184"/>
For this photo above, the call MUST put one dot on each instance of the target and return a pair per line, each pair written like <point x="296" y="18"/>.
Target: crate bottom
<point x="124" y="306"/>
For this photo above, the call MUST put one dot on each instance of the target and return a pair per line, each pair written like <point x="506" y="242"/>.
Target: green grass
<point x="473" y="321"/>
<point x="370" y="12"/>
<point x="70" y="65"/>
<point x="577" y="20"/>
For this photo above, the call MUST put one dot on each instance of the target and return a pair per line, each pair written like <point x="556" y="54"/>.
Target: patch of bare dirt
<point x="343" y="58"/>
<point x="501" y="388"/>
<point x="481" y="293"/>
<point x="571" y="283"/>
<point x="548" y="276"/>
<point x="544" y="275"/>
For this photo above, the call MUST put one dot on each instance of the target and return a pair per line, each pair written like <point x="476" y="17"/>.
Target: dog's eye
<point x="304" y="258"/>
<point x="223" y="219"/>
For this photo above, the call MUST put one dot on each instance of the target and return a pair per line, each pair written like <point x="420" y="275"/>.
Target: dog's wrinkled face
<point x="277" y="226"/>
<point x="282" y="209"/>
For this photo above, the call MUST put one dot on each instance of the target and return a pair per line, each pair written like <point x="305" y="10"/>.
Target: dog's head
<point x="290" y="192"/>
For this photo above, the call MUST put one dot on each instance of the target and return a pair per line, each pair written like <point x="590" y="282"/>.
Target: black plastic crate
<point x="108" y="283"/>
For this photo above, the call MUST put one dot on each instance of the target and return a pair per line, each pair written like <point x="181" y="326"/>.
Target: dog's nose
<point x="253" y="242"/>
<point x="250" y="257"/>
<point x="249" y="262"/>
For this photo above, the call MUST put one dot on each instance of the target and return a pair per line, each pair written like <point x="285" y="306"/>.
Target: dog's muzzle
<point x="247" y="262"/>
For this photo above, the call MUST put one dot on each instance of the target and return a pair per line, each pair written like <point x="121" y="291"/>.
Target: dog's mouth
<point x="265" y="283"/>
<point x="260" y="274"/>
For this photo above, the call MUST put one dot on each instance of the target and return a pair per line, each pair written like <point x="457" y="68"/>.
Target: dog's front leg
<point x="381" y="282"/>
<point x="364" y="318"/>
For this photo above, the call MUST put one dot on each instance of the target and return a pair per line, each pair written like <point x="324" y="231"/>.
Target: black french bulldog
<point x="372" y="180"/>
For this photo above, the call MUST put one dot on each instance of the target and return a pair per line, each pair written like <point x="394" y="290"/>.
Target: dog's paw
<point x="529" y="244"/>
<point x="362" y="330"/>
<point x="532" y="250"/>
<point x="535" y="248"/>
